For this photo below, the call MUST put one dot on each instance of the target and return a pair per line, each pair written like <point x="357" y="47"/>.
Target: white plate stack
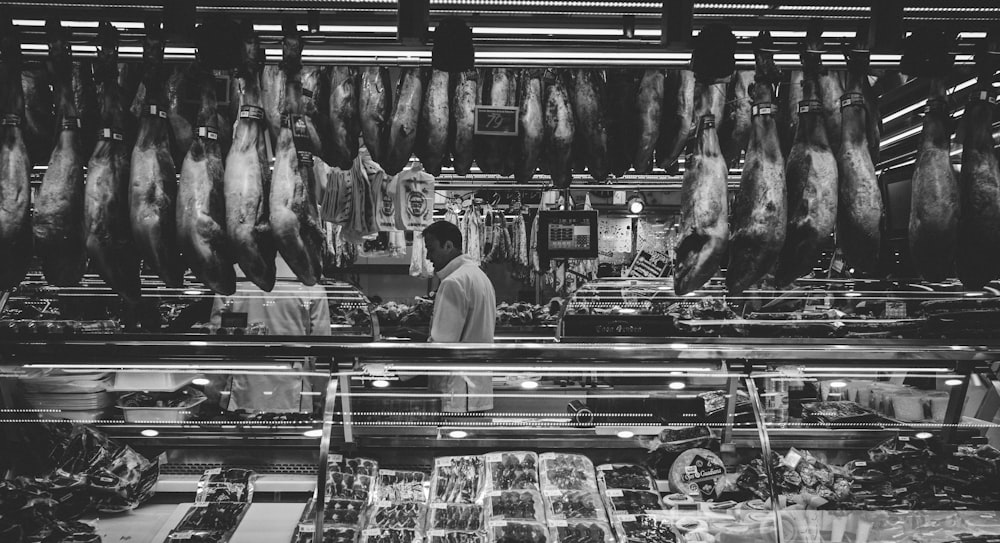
<point x="71" y="396"/>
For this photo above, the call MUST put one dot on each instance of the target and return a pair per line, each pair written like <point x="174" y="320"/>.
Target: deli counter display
<point x="728" y="439"/>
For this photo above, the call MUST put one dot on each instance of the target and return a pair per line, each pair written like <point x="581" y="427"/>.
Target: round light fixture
<point x="838" y="384"/>
<point x="193" y="292"/>
<point x="529" y="385"/>
<point x="201" y="381"/>
<point x="676" y="385"/>
<point x="953" y="382"/>
<point x="852" y="294"/>
<point x="458" y="434"/>
<point x="318" y="432"/>
<point x="636" y="203"/>
<point x="149" y="432"/>
<point x="380" y="383"/>
<point x="625" y="434"/>
<point x="924" y="435"/>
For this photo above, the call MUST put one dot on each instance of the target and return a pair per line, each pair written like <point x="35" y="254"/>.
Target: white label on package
<point x="792" y="459"/>
<point x="625" y="518"/>
<point x="551" y="492"/>
<point x="558" y="523"/>
<point x="442" y="462"/>
<point x="493" y="458"/>
<point x="335" y="458"/>
<point x="615" y="493"/>
<point x="436" y="533"/>
<point x="495" y="494"/>
<point x="213" y="471"/>
<point x="387" y="472"/>
<point x="606" y="467"/>
<point x="439" y="505"/>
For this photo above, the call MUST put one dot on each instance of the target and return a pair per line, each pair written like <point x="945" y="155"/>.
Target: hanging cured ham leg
<point x="560" y="129"/>
<point x="811" y="175"/>
<point x="463" y="118"/>
<point x="532" y="124"/>
<point x="979" y="225"/>
<point x="106" y="211"/>
<point x="935" y="203"/>
<point x="344" y="116"/>
<point x="649" y="111"/>
<point x="246" y="181"/>
<point x="677" y="119"/>
<point x="759" y="211"/>
<point x="375" y="110"/>
<point x="406" y="115"/>
<point x="201" y="209"/>
<point x="15" y="165"/>
<point x="293" y="213"/>
<point x="153" y="178"/>
<point x="859" y="218"/>
<point x="58" y="217"/>
<point x="704" y="197"/>
<point x="432" y="128"/>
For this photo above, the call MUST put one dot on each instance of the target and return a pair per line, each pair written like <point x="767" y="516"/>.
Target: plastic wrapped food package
<point x="633" y="502"/>
<point x="907" y="405"/>
<point x="226" y="485"/>
<point x="444" y="536"/>
<point x="625" y="476"/>
<point x="517" y="532"/>
<point x="457" y="479"/>
<point x="408" y="515"/>
<point x="511" y="471"/>
<point x="567" y="472"/>
<point x="390" y="535"/>
<point x="350" y="478"/>
<point x="585" y="531"/>
<point x="401" y="486"/>
<point x="455" y="517"/>
<point x="304" y="534"/>
<point x="209" y="522"/>
<point x="645" y="529"/>
<point x="354" y="466"/>
<point x="515" y="505"/>
<point x="337" y="512"/>
<point x="573" y="505"/>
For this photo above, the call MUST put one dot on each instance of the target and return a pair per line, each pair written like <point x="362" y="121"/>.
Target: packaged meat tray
<point x="457" y="479"/>
<point x="400" y="486"/>
<point x="226" y="485"/>
<point x="390" y="535"/>
<point x="354" y="466"/>
<point x="580" y="532"/>
<point x="408" y="515"/>
<point x="515" y="505"/>
<point x="304" y="534"/>
<point x="574" y="505"/>
<point x="567" y="472"/>
<point x="511" y="471"/>
<point x="840" y="412"/>
<point x="338" y="512"/>
<point x="347" y="486"/>
<point x="517" y="532"/>
<point x="625" y="476"/>
<point x="455" y="517"/>
<point x="444" y="536"/>
<point x="633" y="502"/>
<point x="644" y="529"/>
<point x="209" y="522"/>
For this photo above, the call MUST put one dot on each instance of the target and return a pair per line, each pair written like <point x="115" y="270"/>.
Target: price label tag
<point x="953" y="467"/>
<point x="547" y="456"/>
<point x="181" y="536"/>
<point x="200" y="504"/>
<point x="371" y="531"/>
<point x="387" y="472"/>
<point x="558" y="523"/>
<point x="335" y="458"/>
<point x="436" y="533"/>
<point x="442" y="462"/>
<point x="499" y="523"/>
<point x="384" y="503"/>
<point x="605" y="467"/>
<point x="904" y="438"/>
<point x="213" y="471"/>
<point x="439" y="505"/>
<point x="896" y="467"/>
<point x="493" y="458"/>
<point x="496" y="120"/>
<point x="861" y="464"/>
<point x="495" y="493"/>
<point x="553" y="492"/>
<point x="614" y="493"/>
<point x="307" y="528"/>
<point x="625" y="517"/>
<point x="901" y="490"/>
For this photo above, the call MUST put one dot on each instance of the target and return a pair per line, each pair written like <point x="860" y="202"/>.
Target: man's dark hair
<point x="443" y="231"/>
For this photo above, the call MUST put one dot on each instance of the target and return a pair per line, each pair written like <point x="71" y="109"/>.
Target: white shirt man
<point x="464" y="312"/>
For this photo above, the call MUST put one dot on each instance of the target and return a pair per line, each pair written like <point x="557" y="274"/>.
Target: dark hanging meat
<point x="58" y="218"/>
<point x="789" y="96"/>
<point x="559" y="129"/>
<point x="532" y="124"/>
<point x="589" y="99"/>
<point x="39" y="120"/>
<point x="623" y="118"/>
<point x="345" y="120"/>
<point x="811" y="175"/>
<point x="935" y="202"/>
<point x="109" y="240"/>
<point x="759" y="210"/>
<point x="247" y="178"/>
<point x="648" y="113"/>
<point x="375" y="110"/>
<point x="294" y="216"/>
<point x="272" y="82"/>
<point x="704" y="192"/>
<point x="463" y="118"/>
<point x="734" y="130"/>
<point x="432" y="128"/>
<point x="201" y="208"/>
<point x="180" y="113"/>
<point x="15" y="165"/>
<point x="153" y="178"/>
<point x="979" y="225"/>
<point x="499" y="88"/>
<point x="677" y="121"/>
<point x="859" y="218"/>
<point x="406" y="115"/>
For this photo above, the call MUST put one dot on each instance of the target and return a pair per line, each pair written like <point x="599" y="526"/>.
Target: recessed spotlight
<point x="193" y="292"/>
<point x="953" y="382"/>
<point x="318" y="432"/>
<point x="625" y="434"/>
<point x="201" y="381"/>
<point x="973" y="294"/>
<point x="636" y="203"/>
<point x="852" y="294"/>
<point x="149" y="432"/>
<point x="458" y="434"/>
<point x="924" y="435"/>
<point x="380" y="383"/>
<point x="676" y="385"/>
<point x="529" y="385"/>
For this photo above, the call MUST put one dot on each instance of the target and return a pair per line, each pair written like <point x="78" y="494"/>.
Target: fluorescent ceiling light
<point x="626" y="434"/>
<point x="313" y="433"/>
<point x="902" y="135"/>
<point x="458" y="434"/>
<point x="201" y="381"/>
<point x="149" y="432"/>
<point x="510" y="31"/>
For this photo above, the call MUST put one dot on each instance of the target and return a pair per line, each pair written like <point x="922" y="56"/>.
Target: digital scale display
<point x="568" y="234"/>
